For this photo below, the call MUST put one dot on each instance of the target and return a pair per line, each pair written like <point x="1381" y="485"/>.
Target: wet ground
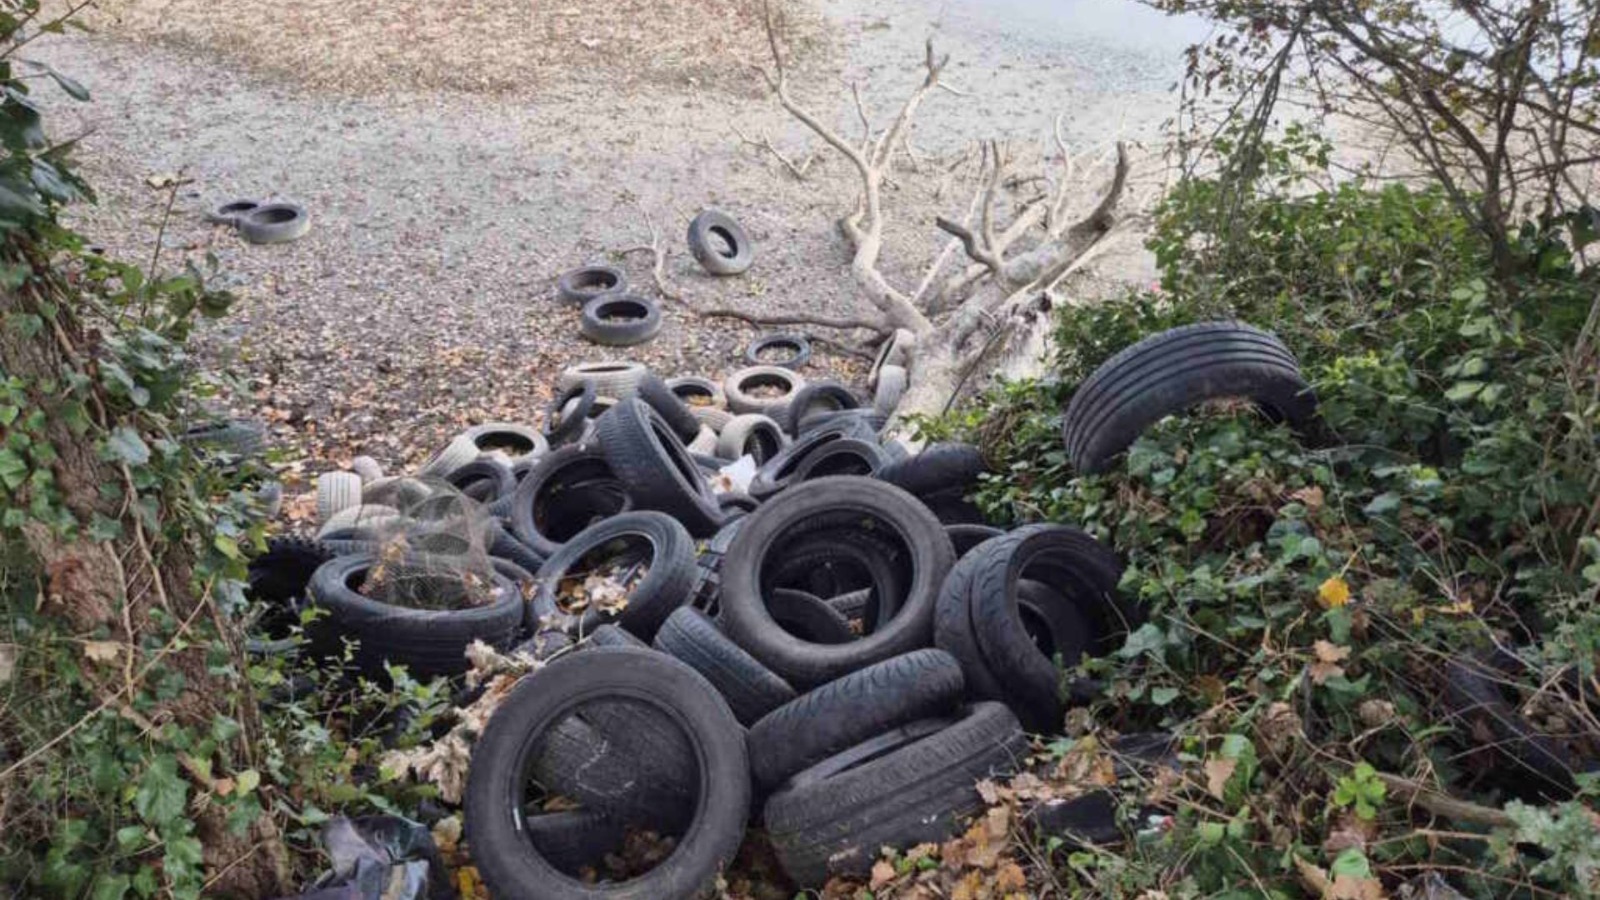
<point x="423" y="298"/>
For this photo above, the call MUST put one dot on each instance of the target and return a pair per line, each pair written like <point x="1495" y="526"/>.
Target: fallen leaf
<point x="1374" y="712"/>
<point x="1328" y="658"/>
<point x="162" y="179"/>
<point x="102" y="651"/>
<point x="8" y="661"/>
<point x="223" y="786"/>
<point x="1311" y="496"/>
<point x="1010" y="878"/>
<point x="989" y="791"/>
<point x="1351" y="887"/>
<point x="1218" y="771"/>
<point x="1334" y="593"/>
<point x="882" y="873"/>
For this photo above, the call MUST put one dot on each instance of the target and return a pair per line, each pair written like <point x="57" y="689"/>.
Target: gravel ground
<point x="423" y="298"/>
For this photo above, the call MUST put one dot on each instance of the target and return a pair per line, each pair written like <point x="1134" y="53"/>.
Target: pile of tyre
<point x="836" y="653"/>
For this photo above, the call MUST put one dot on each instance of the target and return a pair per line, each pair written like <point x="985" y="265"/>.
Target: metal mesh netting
<point x="434" y="554"/>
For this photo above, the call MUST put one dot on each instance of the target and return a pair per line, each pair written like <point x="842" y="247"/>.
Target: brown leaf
<point x="1328" y="658"/>
<point x="1218" y="771"/>
<point x="1311" y="496"/>
<point x="102" y="651"/>
<point x="1010" y="878"/>
<point x="882" y="873"/>
<point x="989" y="791"/>
<point x="1352" y="887"/>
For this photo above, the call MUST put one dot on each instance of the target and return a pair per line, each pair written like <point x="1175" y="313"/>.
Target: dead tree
<point x="992" y="315"/>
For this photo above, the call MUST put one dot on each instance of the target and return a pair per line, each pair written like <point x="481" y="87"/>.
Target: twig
<point x="797" y="170"/>
<point x="658" y="249"/>
<point x="796" y="319"/>
<point x="1445" y="805"/>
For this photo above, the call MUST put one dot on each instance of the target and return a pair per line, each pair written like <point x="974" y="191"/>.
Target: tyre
<point x="367" y="519"/>
<point x="1533" y="762"/>
<point x="708" y="567"/>
<point x="1170" y="372"/>
<point x="460" y="451"/>
<point x="367" y="469"/>
<point x="398" y="492"/>
<point x="650" y="542"/>
<point x="337" y="491"/>
<point x="761" y="389"/>
<point x="655" y="467"/>
<point x="516" y="441"/>
<point x="613" y="636"/>
<point x="892" y="381"/>
<point x="779" y="471"/>
<point x="718" y="244"/>
<point x="429" y="642"/>
<point x="574" y="840"/>
<point x="892" y="352"/>
<point x="817" y="397"/>
<point x="836" y="816"/>
<point x="785" y="351"/>
<point x="568" y="490"/>
<point x="923" y="684"/>
<point x="830" y="564"/>
<point x="504" y="545"/>
<point x="274" y="223"/>
<point x="566" y="415"/>
<point x="654" y="391"/>
<point x="712" y="417"/>
<point x="753" y="435"/>
<point x="808" y="617"/>
<point x="852" y="604"/>
<point x="966" y="537"/>
<point x="231" y="212"/>
<point x="695" y="391"/>
<point x="843" y="508"/>
<point x="483" y="480"/>
<point x="579" y="286"/>
<point x="941" y="476"/>
<point x="1019" y="649"/>
<point x="618" y="379"/>
<point x="279" y="579"/>
<point x="751" y="689"/>
<point x="704" y="443"/>
<point x="620" y="320"/>
<point x="512" y="866"/>
<point x="849" y="456"/>
<point x="239" y="438"/>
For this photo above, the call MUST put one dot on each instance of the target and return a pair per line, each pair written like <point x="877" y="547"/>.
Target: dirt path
<point x="423" y="298"/>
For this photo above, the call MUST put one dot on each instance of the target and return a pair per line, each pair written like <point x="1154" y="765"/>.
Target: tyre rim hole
<point x="722" y="242"/>
<point x="275" y="215"/>
<point x="774" y="353"/>
<point x="605" y="577"/>
<point x="507" y="442"/>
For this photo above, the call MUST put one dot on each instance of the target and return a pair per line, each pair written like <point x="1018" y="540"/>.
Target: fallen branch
<point x="798" y="170"/>
<point x="659" y="251"/>
<point x="1443" y="804"/>
<point x="724" y="312"/>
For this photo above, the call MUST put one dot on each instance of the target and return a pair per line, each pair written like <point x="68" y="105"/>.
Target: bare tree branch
<point x="797" y="170"/>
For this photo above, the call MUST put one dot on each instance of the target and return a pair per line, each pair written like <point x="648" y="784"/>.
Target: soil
<point x="446" y="197"/>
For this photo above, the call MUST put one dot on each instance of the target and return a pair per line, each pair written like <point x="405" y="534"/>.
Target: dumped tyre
<point x="497" y="790"/>
<point x="274" y="223"/>
<point x="1533" y="762"/>
<point x="941" y="476"/>
<point x="843" y="508"/>
<point x="613" y="636"/>
<point x="795" y="350"/>
<point x="564" y="493"/>
<point x="429" y="642"/>
<point x="911" y="786"/>
<point x="230" y="212"/>
<point x="235" y="437"/>
<point x="618" y="380"/>
<point x="752" y="435"/>
<point x="336" y="492"/>
<point x="1173" y="371"/>
<point x="751" y="689"/>
<point x="366" y="468"/>
<point x="620" y="319"/>
<point x="849" y="456"/>
<point x="483" y="480"/>
<point x="761" y="389"/>
<point x="808" y="617"/>
<point x="655" y="468"/>
<point x="697" y="392"/>
<point x="1007" y="650"/>
<point x="517" y="442"/>
<point x="892" y="352"/>
<point x="966" y="537"/>
<point x="719" y="244"/>
<point x="579" y="286"/>
<point x="460" y="451"/>
<point x="831" y="719"/>
<point x="634" y="568"/>
<point x="670" y="407"/>
<point x="817" y="397"/>
<point x="567" y="414"/>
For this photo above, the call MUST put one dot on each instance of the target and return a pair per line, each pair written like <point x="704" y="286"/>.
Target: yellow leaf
<point x="1334" y="592"/>
<point x="102" y="651"/>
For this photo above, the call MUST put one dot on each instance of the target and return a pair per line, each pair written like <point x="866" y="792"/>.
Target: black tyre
<point x="808" y="617"/>
<point x="830" y="564"/>
<point x="852" y="604"/>
<point x="229" y="212"/>
<point x="567" y="491"/>
<point x="940" y="469"/>
<point x="751" y="689"/>
<point x="574" y="840"/>
<point x="753" y="435"/>
<point x="516" y="441"/>
<point x="566" y="415"/>
<point x="922" y="684"/>
<point x="966" y="537"/>
<point x="620" y="319"/>
<point x="1022" y="660"/>
<point x="655" y="467"/>
<point x="579" y="286"/>
<point x="614" y="636"/>
<point x="649" y="551"/>
<point x="484" y="480"/>
<point x="235" y="437"/>
<point x="708" y="567"/>
<point x="670" y="407"/>
<point x="274" y="223"/>
<point x="696" y="391"/>
<point x="504" y="545"/>
<point x="817" y="398"/>
<point x="1173" y="371"/>
<point x="835" y="816"/>
<point x="615" y="378"/>
<point x="761" y="389"/>
<point x="1533" y="763"/>
<point x="850" y="456"/>
<point x="796" y="350"/>
<point x="428" y="642"/>
<point x="784" y="469"/>
<point x="719" y="245"/>
<point x="843" y="508"/>
<point x="509" y="750"/>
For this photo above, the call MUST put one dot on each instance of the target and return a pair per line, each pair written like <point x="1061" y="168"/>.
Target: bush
<point x="1304" y="600"/>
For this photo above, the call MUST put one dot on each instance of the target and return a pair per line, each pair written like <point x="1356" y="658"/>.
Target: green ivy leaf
<point x="1161" y="696"/>
<point x="162" y="793"/>
<point x="111" y="887"/>
<point x="1148" y="639"/>
<point x="13" y="468"/>
<point x="125" y="445"/>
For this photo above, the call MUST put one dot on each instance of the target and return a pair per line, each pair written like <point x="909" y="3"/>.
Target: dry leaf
<point x="1352" y="887"/>
<point x="882" y="873"/>
<point x="8" y="661"/>
<point x="1010" y="878"/>
<point x="1328" y="658"/>
<point x="102" y="651"/>
<point x="989" y="791"/>
<point x="1312" y="497"/>
<point x="1374" y="712"/>
<point x="223" y="786"/>
<point x="1218" y="771"/>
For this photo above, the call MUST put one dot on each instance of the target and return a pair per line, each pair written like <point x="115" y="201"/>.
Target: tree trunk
<point x="115" y="586"/>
